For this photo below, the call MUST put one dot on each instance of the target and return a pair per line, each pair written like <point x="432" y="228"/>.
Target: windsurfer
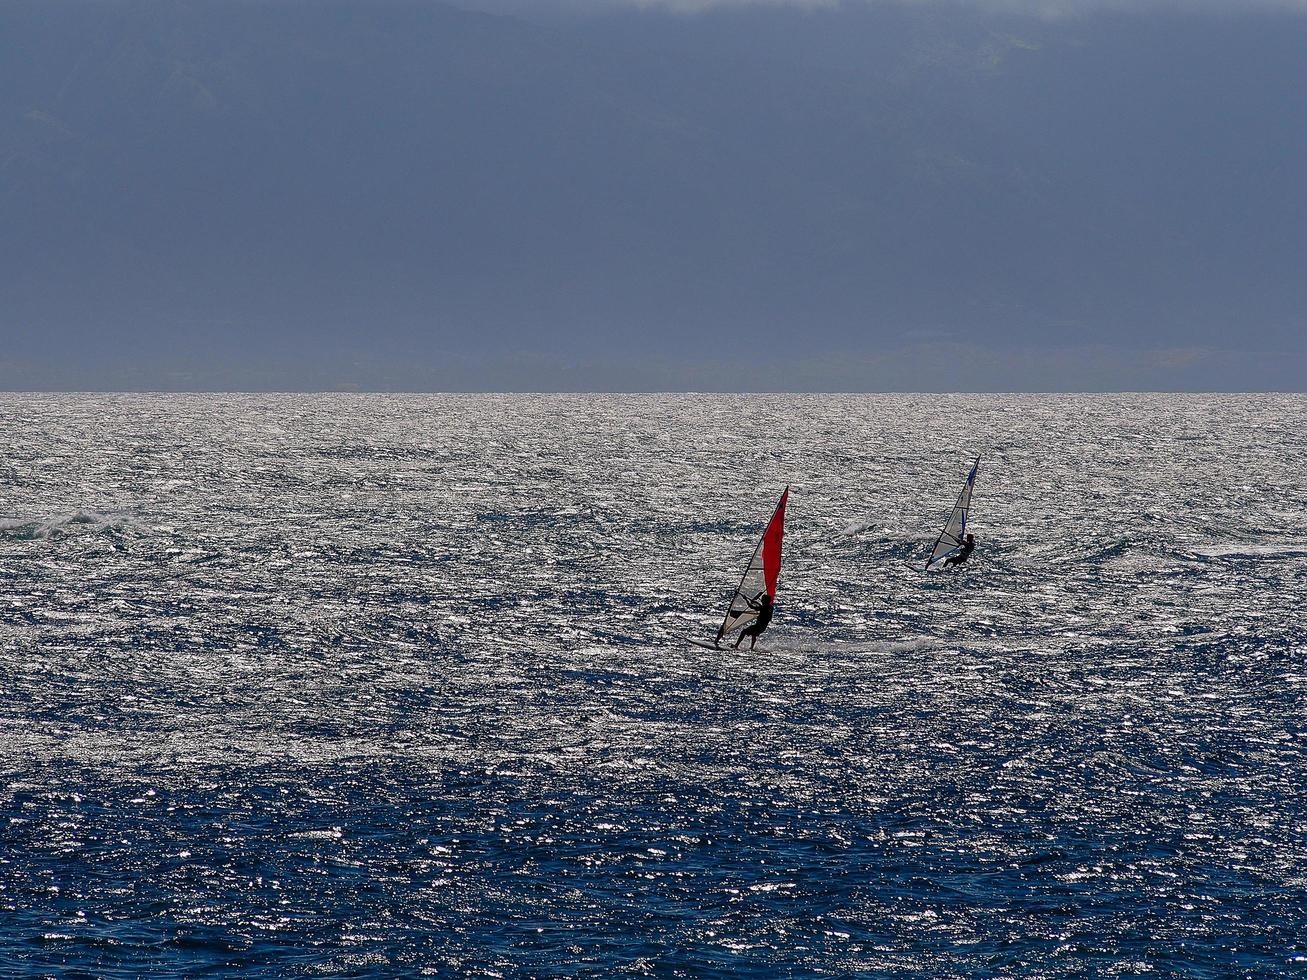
<point x="762" y="602"/>
<point x="968" y="546"/>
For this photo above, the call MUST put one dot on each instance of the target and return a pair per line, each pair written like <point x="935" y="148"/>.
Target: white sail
<point x="955" y="529"/>
<point x="743" y="609"/>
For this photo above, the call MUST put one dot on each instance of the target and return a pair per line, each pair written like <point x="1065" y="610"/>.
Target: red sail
<point x="771" y="545"/>
<point x="760" y="575"/>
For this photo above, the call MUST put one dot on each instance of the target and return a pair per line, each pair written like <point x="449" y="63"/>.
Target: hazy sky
<point x="596" y="194"/>
<point x="1040" y="8"/>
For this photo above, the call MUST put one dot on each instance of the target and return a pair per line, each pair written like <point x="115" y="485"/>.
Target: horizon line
<point x="666" y="391"/>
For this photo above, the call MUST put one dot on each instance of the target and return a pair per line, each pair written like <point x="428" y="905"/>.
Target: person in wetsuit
<point x="968" y="547"/>
<point x="763" y="603"/>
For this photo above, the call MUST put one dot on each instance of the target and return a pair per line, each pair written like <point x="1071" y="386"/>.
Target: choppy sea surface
<point x="392" y="686"/>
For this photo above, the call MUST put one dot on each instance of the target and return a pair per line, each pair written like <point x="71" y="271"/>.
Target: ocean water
<point x="398" y="686"/>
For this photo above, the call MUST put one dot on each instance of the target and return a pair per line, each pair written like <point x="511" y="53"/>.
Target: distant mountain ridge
<point x="405" y="193"/>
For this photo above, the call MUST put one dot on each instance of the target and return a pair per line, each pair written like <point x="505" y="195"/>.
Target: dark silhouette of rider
<point x="968" y="546"/>
<point x="763" y="603"/>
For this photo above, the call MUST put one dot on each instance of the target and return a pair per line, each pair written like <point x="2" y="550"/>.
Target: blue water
<point x="378" y="686"/>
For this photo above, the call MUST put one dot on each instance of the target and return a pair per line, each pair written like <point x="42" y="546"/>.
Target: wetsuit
<point x="968" y="547"/>
<point x="763" y="603"/>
